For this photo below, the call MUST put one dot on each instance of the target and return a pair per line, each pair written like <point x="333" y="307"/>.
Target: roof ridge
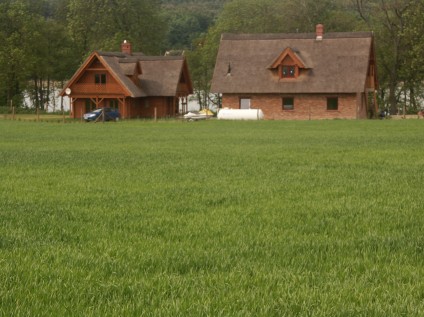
<point x="300" y="36"/>
<point x="160" y="58"/>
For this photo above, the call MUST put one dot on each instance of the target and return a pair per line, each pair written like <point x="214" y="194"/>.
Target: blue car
<point x="111" y="114"/>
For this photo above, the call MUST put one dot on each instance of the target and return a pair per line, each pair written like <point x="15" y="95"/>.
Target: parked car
<point x="111" y="114"/>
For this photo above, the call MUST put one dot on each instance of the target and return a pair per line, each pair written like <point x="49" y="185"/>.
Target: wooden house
<point x="298" y="76"/>
<point x="139" y="86"/>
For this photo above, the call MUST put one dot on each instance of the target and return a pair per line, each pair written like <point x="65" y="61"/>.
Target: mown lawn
<point x="320" y="218"/>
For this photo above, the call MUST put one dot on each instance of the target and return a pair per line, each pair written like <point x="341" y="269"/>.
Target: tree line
<point x="44" y="41"/>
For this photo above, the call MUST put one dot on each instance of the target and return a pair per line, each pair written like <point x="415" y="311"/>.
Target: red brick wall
<point x="306" y="106"/>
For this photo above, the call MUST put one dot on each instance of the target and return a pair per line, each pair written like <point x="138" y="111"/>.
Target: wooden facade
<point x="139" y="86"/>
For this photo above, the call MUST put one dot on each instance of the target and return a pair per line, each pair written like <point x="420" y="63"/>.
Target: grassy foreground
<point x="321" y="218"/>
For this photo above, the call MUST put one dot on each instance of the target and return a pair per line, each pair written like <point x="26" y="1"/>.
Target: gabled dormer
<point x="131" y="68"/>
<point x="94" y="73"/>
<point x="288" y="64"/>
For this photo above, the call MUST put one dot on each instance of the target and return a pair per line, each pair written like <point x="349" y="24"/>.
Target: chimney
<point x="126" y="48"/>
<point x="319" y="32"/>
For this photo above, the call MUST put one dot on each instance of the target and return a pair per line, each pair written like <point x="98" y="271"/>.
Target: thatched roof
<point x="121" y="73"/>
<point x="156" y="75"/>
<point x="336" y="64"/>
<point x="160" y="74"/>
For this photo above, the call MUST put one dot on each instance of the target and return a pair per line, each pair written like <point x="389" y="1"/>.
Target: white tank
<point x="240" y="114"/>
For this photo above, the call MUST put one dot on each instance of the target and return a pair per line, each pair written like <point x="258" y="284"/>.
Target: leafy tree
<point x="43" y="41"/>
<point x="185" y="25"/>
<point x="18" y="34"/>
<point x="104" y="24"/>
<point x="412" y="69"/>
<point x="55" y="60"/>
<point x="388" y="18"/>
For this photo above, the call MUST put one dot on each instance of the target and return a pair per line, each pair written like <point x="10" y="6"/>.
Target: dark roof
<point x="336" y="64"/>
<point x="160" y="75"/>
<point x="163" y="82"/>
<point x="121" y="74"/>
<point x="279" y="36"/>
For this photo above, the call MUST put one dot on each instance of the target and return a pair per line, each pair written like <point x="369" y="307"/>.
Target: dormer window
<point x="288" y="71"/>
<point x="288" y="64"/>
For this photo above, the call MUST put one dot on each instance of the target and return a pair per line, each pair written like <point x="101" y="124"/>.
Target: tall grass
<point x="320" y="218"/>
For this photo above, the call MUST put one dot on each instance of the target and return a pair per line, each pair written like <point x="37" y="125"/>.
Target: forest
<point x="44" y="41"/>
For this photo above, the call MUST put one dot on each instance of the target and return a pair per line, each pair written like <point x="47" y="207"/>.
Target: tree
<point x="104" y="24"/>
<point x="185" y="25"/>
<point x="412" y="69"/>
<point x="388" y="18"/>
<point x="43" y="41"/>
<point x="18" y="33"/>
<point x="54" y="60"/>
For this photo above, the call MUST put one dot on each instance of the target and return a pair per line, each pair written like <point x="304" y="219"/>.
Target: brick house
<point x="298" y="76"/>
<point x="139" y="86"/>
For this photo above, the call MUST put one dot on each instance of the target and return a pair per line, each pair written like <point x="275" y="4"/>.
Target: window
<point x="100" y="79"/>
<point x="114" y="103"/>
<point x="244" y="103"/>
<point x="288" y="103"/>
<point x="289" y="72"/>
<point x="332" y="103"/>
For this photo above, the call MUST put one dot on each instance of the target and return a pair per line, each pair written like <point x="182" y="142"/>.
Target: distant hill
<point x="189" y="19"/>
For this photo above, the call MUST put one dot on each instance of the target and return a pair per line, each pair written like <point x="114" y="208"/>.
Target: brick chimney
<point x="319" y="30"/>
<point x="126" y="48"/>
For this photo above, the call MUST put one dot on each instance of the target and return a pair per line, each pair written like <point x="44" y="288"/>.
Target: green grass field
<point x="38" y="118"/>
<point x="213" y="218"/>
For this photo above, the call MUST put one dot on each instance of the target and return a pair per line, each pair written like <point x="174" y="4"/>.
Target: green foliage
<point x="188" y="20"/>
<point x="412" y="68"/>
<point x="18" y="33"/>
<point x="46" y="40"/>
<point x="213" y="218"/>
<point x="394" y="23"/>
<point x="185" y="26"/>
<point x="35" y="47"/>
<point x="104" y="24"/>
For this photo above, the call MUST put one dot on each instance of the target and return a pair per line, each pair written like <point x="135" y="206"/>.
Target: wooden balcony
<point x="96" y="89"/>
